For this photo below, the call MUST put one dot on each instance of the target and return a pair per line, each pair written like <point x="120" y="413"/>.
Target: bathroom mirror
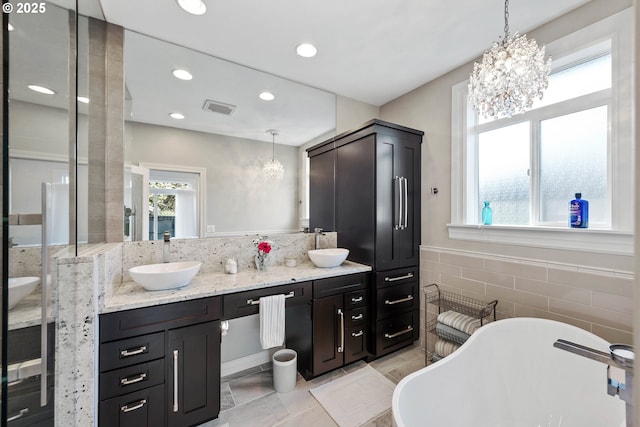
<point x="222" y="138"/>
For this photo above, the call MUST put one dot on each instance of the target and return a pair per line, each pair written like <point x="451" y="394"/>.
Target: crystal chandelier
<point x="273" y="169"/>
<point x="512" y="73"/>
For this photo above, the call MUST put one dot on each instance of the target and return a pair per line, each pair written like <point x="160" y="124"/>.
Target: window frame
<point x="615" y="30"/>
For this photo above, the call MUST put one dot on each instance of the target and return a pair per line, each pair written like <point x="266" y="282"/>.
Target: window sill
<point x="575" y="239"/>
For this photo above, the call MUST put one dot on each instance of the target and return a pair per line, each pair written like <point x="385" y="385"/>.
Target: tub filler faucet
<point x="619" y="363"/>
<point x="166" y="248"/>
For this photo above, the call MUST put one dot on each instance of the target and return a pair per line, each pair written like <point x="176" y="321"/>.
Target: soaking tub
<point x="509" y="374"/>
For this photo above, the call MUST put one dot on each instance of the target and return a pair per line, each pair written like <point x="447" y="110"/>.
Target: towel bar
<point x="256" y="302"/>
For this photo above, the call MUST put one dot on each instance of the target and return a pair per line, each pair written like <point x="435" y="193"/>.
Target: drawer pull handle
<point x="19" y="415"/>
<point x="398" y="301"/>
<point x="357" y="334"/>
<point x="397" y="334"/>
<point x="133" y="352"/>
<point x="357" y="317"/>
<point x="129" y="381"/>
<point x="341" y="347"/>
<point x="357" y="299"/>
<point x="175" y="380"/>
<point x="134" y="406"/>
<point x="393" y="279"/>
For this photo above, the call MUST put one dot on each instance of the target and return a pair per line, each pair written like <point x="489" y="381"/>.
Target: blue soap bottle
<point x="579" y="212"/>
<point x="487" y="214"/>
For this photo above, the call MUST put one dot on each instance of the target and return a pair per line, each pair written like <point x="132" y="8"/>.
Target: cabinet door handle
<point x="357" y="317"/>
<point x="400" y="203"/>
<point x="357" y="334"/>
<point x="133" y="406"/>
<point x="398" y="301"/>
<point x="175" y="380"/>
<point x="22" y="413"/>
<point x="397" y="334"/>
<point x="394" y="279"/>
<point x="129" y="381"/>
<point x="341" y="347"/>
<point x="133" y="351"/>
<point x="357" y="299"/>
<point x="406" y="203"/>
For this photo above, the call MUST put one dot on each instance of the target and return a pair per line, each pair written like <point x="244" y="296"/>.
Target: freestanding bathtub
<point x="508" y="374"/>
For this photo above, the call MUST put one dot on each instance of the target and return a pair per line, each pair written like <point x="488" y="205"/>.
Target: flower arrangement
<point x="264" y="247"/>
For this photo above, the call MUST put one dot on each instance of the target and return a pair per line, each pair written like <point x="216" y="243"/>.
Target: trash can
<point x="284" y="370"/>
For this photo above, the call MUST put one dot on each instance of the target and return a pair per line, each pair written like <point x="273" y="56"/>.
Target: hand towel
<point x="272" y="321"/>
<point x="444" y="348"/>
<point x="461" y="322"/>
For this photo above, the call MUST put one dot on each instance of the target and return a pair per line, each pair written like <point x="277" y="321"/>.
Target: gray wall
<point x="238" y="198"/>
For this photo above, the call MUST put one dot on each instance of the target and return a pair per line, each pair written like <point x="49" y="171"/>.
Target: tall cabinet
<point x="365" y="185"/>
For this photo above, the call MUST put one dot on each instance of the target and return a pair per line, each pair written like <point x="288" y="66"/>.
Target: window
<point x="577" y="139"/>
<point x="175" y="202"/>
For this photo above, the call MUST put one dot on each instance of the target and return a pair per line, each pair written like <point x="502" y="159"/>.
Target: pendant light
<point x="511" y="75"/>
<point x="273" y="169"/>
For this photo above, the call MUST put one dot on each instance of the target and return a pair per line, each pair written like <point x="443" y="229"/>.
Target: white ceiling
<point x="369" y="50"/>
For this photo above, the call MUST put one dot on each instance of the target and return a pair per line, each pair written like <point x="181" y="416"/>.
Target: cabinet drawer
<point x="356" y="318"/>
<point x="356" y="299"/>
<point x="24" y="409"/>
<point x="396" y="277"/>
<point x="140" y="321"/>
<point x="396" y="332"/>
<point x="355" y="344"/>
<point x="396" y="298"/>
<point x="131" y="378"/>
<point x="239" y="304"/>
<point x="118" y="354"/>
<point x="142" y="408"/>
<point x="339" y="285"/>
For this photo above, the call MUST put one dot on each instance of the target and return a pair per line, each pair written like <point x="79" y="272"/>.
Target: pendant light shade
<point x="273" y="169"/>
<point x="512" y="74"/>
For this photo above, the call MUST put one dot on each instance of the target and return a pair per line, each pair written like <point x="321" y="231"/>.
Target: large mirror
<point x="206" y="166"/>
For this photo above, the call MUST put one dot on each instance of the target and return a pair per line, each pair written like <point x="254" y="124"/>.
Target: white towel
<point x="272" y="321"/>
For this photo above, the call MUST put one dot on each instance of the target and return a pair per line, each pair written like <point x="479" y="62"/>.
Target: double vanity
<point x="159" y="351"/>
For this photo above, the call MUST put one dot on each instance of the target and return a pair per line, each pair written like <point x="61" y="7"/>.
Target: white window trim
<point x="618" y="28"/>
<point x="202" y="189"/>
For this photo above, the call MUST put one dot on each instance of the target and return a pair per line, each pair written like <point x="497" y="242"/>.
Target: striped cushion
<point x="459" y="321"/>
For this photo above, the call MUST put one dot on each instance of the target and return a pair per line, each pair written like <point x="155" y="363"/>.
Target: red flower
<point x="264" y="247"/>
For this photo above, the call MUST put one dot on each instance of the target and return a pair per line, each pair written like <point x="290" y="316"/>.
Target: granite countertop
<point x="131" y="295"/>
<point x="27" y="312"/>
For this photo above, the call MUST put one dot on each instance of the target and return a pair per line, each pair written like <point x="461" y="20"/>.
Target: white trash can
<point x="284" y="370"/>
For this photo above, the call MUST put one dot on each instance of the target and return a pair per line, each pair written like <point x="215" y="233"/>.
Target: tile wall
<point x="597" y="300"/>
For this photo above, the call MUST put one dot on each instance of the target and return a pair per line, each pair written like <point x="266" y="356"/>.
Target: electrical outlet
<point x="211" y="228"/>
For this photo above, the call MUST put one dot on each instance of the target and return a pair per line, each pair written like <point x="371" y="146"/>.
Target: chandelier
<point x="273" y="169"/>
<point x="512" y="73"/>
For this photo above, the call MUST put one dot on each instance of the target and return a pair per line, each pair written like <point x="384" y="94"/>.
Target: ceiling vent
<point x="218" y="107"/>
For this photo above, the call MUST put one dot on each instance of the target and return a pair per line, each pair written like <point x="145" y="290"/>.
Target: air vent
<point x="218" y="107"/>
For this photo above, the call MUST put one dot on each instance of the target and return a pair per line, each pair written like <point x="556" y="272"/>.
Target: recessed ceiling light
<point x="306" y="50"/>
<point x="41" y="89"/>
<point x="9" y="27"/>
<point x="267" y="96"/>
<point x="195" y="7"/>
<point x="182" y="74"/>
<point x="83" y="99"/>
<point x="177" y="116"/>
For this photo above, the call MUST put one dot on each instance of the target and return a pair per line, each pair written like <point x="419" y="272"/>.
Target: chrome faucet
<point x="318" y="232"/>
<point x="167" y="246"/>
<point x="619" y="363"/>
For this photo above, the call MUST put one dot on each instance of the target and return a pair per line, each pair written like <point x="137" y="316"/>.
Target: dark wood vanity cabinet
<point x="160" y="366"/>
<point x="340" y="316"/>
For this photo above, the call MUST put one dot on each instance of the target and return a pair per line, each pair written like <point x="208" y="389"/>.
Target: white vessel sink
<point x="20" y="287"/>
<point x="328" y="257"/>
<point x="169" y="275"/>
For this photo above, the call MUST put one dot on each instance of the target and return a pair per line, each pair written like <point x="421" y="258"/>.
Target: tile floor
<point x="249" y="400"/>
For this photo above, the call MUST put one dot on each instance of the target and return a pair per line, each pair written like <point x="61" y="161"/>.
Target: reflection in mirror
<point x="222" y="137"/>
